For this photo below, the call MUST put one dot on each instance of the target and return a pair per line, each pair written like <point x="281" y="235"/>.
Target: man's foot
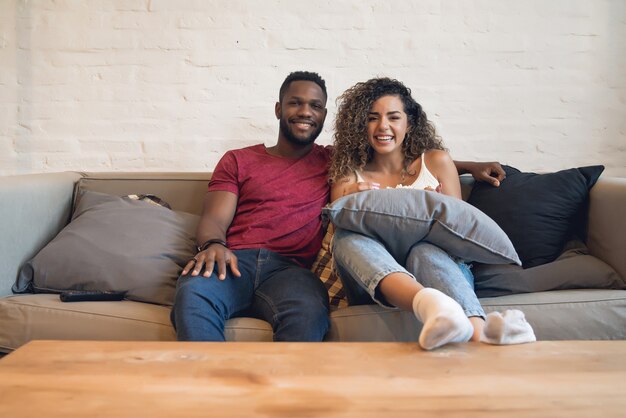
<point x="508" y="328"/>
<point x="443" y="318"/>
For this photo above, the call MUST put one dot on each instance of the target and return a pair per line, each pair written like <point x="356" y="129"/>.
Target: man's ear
<point x="277" y="110"/>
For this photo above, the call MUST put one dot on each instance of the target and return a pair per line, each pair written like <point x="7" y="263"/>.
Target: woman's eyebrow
<point x="388" y="113"/>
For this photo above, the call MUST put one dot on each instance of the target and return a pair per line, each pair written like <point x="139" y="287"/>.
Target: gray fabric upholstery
<point x="36" y="207"/>
<point x="573" y="269"/>
<point x="556" y="315"/>
<point x="33" y="209"/>
<point x="400" y="218"/>
<point x="115" y="244"/>
<point x="40" y="316"/>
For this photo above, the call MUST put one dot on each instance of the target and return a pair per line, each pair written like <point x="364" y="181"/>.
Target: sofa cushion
<point x="575" y="268"/>
<point x="115" y="244"/>
<point x="44" y="317"/>
<point x="539" y="212"/>
<point x="589" y="314"/>
<point x="399" y="218"/>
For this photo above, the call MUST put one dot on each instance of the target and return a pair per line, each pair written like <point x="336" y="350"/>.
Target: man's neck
<point x="286" y="149"/>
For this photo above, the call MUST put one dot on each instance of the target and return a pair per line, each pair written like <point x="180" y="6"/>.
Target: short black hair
<point x="301" y="76"/>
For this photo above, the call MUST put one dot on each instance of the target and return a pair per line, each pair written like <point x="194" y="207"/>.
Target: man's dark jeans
<point x="271" y="287"/>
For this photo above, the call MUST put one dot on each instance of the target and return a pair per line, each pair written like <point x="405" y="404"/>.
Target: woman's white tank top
<point x="424" y="180"/>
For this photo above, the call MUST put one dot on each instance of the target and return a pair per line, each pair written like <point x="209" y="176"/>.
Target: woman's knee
<point x="424" y="255"/>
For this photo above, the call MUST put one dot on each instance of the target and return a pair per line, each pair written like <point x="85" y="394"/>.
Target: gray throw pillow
<point x="400" y="218"/>
<point x="575" y="268"/>
<point x="115" y="244"/>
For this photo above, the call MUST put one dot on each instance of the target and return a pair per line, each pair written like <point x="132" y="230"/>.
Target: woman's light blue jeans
<point x="363" y="261"/>
<point x="271" y="287"/>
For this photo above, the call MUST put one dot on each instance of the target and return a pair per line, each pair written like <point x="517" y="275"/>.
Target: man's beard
<point x="289" y="135"/>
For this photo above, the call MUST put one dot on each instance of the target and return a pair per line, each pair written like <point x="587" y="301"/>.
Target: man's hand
<point x="215" y="253"/>
<point x="491" y="172"/>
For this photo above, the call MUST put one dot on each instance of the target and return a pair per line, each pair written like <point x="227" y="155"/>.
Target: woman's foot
<point x="510" y="327"/>
<point x="443" y="318"/>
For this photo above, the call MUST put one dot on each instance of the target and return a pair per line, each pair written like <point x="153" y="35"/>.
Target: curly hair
<point x="351" y="147"/>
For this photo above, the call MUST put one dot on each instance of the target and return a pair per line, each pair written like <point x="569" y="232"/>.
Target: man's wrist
<point x="462" y="167"/>
<point x="206" y="244"/>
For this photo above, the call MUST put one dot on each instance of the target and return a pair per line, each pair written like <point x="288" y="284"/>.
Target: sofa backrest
<point x="183" y="191"/>
<point x="33" y="209"/>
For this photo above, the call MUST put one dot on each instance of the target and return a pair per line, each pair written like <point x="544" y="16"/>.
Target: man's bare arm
<point x="490" y="172"/>
<point x="217" y="214"/>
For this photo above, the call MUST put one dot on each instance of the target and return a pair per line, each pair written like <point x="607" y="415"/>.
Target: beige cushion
<point x="28" y="317"/>
<point x="594" y="314"/>
<point x="556" y="315"/>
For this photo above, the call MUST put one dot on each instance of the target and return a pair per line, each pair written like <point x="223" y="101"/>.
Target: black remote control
<point x="90" y="296"/>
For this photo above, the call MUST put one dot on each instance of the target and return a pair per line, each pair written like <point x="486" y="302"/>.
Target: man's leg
<point x="203" y="304"/>
<point x="291" y="298"/>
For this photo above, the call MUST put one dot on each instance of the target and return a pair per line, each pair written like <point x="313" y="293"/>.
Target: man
<point x="261" y="229"/>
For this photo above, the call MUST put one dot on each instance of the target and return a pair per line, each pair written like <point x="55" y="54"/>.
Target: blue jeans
<point x="271" y="287"/>
<point x="362" y="263"/>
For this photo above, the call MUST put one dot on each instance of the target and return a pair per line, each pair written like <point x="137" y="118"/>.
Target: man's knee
<point x="188" y="286"/>
<point x="307" y="320"/>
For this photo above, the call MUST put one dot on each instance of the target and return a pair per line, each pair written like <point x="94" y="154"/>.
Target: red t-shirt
<point x="279" y="200"/>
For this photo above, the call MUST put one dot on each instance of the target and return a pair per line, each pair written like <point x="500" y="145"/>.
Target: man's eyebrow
<point x="294" y="97"/>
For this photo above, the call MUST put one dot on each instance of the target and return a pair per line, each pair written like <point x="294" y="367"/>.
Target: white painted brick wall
<point x="170" y="85"/>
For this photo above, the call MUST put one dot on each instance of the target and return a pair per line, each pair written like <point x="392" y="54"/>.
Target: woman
<point x="384" y="139"/>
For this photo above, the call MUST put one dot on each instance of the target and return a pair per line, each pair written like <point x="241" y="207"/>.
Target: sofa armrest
<point x="607" y="222"/>
<point x="34" y="209"/>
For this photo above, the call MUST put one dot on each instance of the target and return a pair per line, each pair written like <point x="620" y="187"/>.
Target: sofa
<point x="35" y="208"/>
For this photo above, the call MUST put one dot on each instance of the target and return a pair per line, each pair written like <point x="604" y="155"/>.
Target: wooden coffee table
<point x="169" y="379"/>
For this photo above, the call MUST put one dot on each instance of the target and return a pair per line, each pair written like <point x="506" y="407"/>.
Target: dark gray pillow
<point x="115" y="244"/>
<point x="399" y="218"/>
<point x="539" y="212"/>
<point x="573" y="269"/>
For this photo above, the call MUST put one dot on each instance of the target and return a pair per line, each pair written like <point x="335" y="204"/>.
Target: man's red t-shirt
<point x="279" y="200"/>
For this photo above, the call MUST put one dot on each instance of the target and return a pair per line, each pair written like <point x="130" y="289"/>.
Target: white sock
<point x="508" y="328"/>
<point x="443" y="318"/>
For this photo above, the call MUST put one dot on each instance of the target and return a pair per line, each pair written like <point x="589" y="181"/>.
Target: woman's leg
<point x="434" y="268"/>
<point x="367" y="262"/>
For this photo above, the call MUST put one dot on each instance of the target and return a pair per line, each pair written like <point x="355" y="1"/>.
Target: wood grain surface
<point x="174" y="379"/>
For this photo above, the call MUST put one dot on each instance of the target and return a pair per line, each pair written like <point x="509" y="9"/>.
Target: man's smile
<point x="303" y="124"/>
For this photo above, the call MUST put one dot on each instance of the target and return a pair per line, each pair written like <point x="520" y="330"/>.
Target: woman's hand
<point x="344" y="188"/>
<point x="360" y="187"/>
<point x="438" y="189"/>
